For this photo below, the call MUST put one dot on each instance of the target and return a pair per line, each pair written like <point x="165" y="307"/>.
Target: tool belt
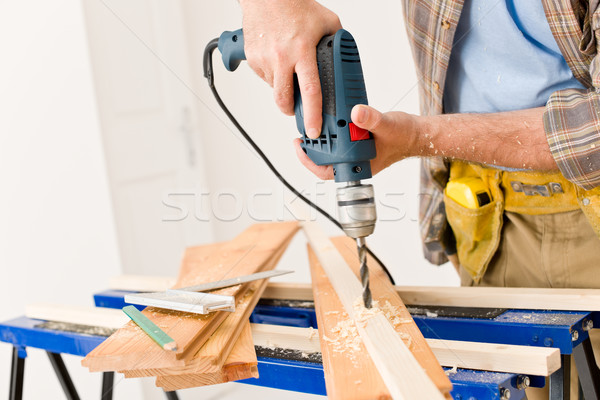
<point x="477" y="231"/>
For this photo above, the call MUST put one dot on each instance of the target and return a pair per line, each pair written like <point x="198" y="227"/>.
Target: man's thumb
<point x="367" y="118"/>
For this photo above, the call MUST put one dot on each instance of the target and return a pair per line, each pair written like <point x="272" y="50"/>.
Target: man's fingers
<point x="310" y="90"/>
<point x="324" y="172"/>
<point x="370" y="119"/>
<point x="283" y="90"/>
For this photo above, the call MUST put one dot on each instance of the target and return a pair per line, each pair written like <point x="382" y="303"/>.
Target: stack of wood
<point x="211" y="348"/>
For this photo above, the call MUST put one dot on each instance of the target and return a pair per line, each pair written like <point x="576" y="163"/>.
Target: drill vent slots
<point x="350" y="52"/>
<point x="324" y="141"/>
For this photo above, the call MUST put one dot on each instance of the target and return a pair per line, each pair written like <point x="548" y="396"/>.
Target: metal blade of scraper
<point x="192" y="302"/>
<point x="229" y="282"/>
<point x="190" y="299"/>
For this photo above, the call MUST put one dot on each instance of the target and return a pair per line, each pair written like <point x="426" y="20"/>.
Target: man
<point x="508" y="97"/>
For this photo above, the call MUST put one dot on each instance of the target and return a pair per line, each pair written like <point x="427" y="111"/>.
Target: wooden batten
<point x="406" y="375"/>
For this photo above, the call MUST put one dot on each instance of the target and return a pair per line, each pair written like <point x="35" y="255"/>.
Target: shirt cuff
<point x="572" y="125"/>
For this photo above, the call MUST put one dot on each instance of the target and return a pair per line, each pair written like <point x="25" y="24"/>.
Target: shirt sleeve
<point x="572" y="116"/>
<point x="572" y="125"/>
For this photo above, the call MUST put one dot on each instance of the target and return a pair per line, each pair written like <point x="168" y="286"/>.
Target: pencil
<point x="158" y="335"/>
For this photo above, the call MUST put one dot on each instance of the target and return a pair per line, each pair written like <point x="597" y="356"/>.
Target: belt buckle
<point x="546" y="190"/>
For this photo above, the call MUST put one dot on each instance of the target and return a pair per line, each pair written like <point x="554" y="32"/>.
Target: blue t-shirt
<point x="504" y="58"/>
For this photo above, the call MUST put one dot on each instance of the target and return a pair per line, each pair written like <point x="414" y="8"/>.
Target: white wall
<point x="57" y="241"/>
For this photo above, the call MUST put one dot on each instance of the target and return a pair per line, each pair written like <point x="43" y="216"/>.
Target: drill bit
<point x="364" y="271"/>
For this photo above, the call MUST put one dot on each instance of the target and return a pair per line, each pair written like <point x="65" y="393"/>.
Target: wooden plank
<point x="497" y="297"/>
<point x="404" y="377"/>
<point x="493" y="297"/>
<point x="349" y="371"/>
<point x="241" y="364"/>
<point x="384" y="292"/>
<point x="288" y="291"/>
<point x="541" y="361"/>
<point x="248" y="253"/>
<point x="305" y="340"/>
<point x="91" y="316"/>
<point x="528" y="360"/>
<point x="212" y="356"/>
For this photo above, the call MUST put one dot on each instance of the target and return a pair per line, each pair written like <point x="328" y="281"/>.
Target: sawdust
<point x="344" y="336"/>
<point x="451" y="371"/>
<point x="311" y="332"/>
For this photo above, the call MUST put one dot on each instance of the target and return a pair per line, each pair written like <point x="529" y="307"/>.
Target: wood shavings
<point x="431" y="314"/>
<point x="311" y="332"/>
<point x="451" y="371"/>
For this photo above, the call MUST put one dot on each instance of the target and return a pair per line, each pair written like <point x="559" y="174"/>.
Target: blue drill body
<point x="342" y="86"/>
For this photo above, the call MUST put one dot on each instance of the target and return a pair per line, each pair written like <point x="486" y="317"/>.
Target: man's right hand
<point x="280" y="39"/>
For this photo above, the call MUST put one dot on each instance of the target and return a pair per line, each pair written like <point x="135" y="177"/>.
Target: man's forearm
<point x="514" y="139"/>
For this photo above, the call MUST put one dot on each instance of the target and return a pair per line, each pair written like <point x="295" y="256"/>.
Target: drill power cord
<point x="208" y="74"/>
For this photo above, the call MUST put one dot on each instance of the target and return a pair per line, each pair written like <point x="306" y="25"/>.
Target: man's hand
<point x="395" y="135"/>
<point x="514" y="139"/>
<point x="280" y="39"/>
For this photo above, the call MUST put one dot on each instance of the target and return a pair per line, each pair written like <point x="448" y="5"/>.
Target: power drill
<point x="341" y="144"/>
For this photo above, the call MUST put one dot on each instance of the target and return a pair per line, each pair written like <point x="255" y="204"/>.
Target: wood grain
<point x="529" y="360"/>
<point x="240" y="364"/>
<point x="500" y="297"/>
<point x="558" y="299"/>
<point x="398" y="367"/>
<point x="541" y="361"/>
<point x="249" y="252"/>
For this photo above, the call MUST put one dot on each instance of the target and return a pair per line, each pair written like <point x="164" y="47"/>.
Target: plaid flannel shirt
<point x="572" y="116"/>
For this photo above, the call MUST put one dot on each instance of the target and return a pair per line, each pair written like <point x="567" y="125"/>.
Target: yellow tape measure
<point x="468" y="192"/>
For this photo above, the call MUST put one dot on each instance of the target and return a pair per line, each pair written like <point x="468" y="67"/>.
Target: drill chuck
<point x="356" y="209"/>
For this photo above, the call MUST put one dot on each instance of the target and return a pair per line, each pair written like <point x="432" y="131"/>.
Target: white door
<point x="151" y="143"/>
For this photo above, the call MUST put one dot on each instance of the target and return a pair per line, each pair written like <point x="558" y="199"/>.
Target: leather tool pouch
<point x="477" y="231"/>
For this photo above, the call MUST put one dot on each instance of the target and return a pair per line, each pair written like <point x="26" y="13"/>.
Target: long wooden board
<point x="496" y="297"/>
<point x="403" y="375"/>
<point x="493" y="297"/>
<point x="540" y="361"/>
<point x="350" y="374"/>
<point x="529" y="360"/>
<point x="248" y="253"/>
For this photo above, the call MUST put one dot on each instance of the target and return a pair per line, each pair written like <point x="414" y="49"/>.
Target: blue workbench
<point x="568" y="331"/>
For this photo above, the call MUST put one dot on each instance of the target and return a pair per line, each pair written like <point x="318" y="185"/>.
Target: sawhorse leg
<point x="589" y="374"/>
<point x="108" y="379"/>
<point x="560" y="381"/>
<point x="17" y="372"/>
<point x="63" y="376"/>
<point x="172" y="395"/>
